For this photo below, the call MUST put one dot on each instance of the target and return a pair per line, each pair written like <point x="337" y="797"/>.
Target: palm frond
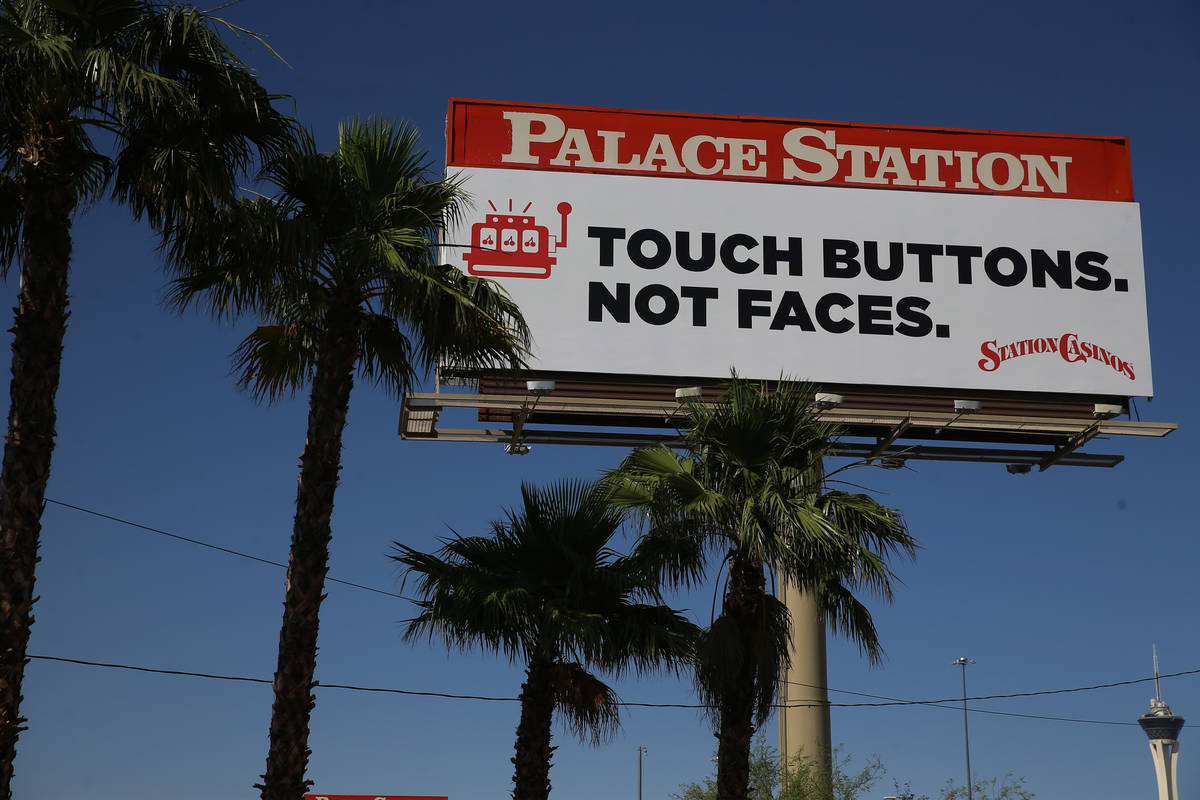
<point x="849" y="618"/>
<point x="672" y="551"/>
<point x="350" y="232"/>
<point x="52" y="52"/>
<point x="646" y="638"/>
<point x="274" y="361"/>
<point x="385" y="353"/>
<point x="750" y="485"/>
<point x="114" y="73"/>
<point x="185" y="113"/>
<point x="384" y="157"/>
<point x="548" y="584"/>
<point x="657" y="478"/>
<point x="12" y="216"/>
<point x="772" y="654"/>
<point x="193" y="115"/>
<point x="589" y="707"/>
<point x="466" y="601"/>
<point x="467" y="321"/>
<point x="720" y="656"/>
<point x="228" y="260"/>
<point x="869" y="523"/>
<point x="736" y="659"/>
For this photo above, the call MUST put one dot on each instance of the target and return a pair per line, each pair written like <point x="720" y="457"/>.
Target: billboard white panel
<point x="664" y="276"/>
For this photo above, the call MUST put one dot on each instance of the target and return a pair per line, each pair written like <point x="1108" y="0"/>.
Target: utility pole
<point x="963" y="662"/>
<point x="641" y="752"/>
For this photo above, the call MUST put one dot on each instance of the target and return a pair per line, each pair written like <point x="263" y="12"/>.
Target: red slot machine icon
<point x="513" y="245"/>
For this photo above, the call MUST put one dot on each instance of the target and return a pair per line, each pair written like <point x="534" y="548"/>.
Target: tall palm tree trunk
<point x="735" y="726"/>
<point x="287" y="757"/>
<point x="49" y="198"/>
<point x="531" y="776"/>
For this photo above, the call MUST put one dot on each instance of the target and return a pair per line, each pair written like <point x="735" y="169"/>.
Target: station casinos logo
<point x="1068" y="347"/>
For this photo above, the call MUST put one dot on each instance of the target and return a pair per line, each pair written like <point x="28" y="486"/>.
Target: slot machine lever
<point x="564" y="209"/>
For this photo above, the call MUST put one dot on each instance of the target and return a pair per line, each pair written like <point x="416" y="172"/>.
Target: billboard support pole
<point x="804" y="728"/>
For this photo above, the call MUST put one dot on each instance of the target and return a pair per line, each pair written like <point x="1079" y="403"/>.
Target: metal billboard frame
<point x="884" y="424"/>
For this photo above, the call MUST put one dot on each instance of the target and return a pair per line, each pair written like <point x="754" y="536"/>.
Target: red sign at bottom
<point x="373" y="797"/>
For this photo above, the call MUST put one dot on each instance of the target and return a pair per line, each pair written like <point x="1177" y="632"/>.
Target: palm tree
<point x="752" y="492"/>
<point x="135" y="99"/>
<point x="340" y="265"/>
<point x="546" y="590"/>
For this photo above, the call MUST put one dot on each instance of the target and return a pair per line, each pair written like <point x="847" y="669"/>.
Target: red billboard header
<point x="488" y="133"/>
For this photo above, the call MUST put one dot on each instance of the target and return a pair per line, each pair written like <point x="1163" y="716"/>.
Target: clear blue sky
<point x="1049" y="581"/>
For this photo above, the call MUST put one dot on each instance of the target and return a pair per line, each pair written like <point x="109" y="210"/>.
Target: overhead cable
<point x="200" y="543"/>
<point x="960" y="699"/>
<point x="632" y="704"/>
<point x="972" y="710"/>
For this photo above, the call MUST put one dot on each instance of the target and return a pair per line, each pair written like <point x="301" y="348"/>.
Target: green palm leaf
<point x="749" y="489"/>
<point x="547" y="589"/>
<point x="11" y="217"/>
<point x="338" y="265"/>
<point x="587" y="705"/>
<point x="135" y="100"/>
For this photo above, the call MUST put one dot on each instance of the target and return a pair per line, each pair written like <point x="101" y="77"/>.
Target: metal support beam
<point x="987" y="438"/>
<point x="593" y="411"/>
<point x="886" y="442"/>
<point x="1074" y="443"/>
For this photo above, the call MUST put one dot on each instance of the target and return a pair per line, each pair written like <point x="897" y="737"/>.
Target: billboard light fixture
<point x="517" y="449"/>
<point x="688" y="393"/>
<point x="539" y="388"/>
<point x="892" y="462"/>
<point x="1018" y="469"/>
<point x="1107" y="410"/>
<point x="961" y="407"/>
<point x="825" y="400"/>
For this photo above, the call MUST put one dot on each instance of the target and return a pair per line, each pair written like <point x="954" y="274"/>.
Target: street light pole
<point x="962" y="662"/>
<point x="641" y="752"/>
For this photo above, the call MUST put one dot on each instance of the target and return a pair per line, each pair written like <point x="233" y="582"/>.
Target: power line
<point x="888" y="701"/>
<point x="218" y="548"/>
<point x="213" y="676"/>
<point x="973" y="710"/>
<point x="1040" y="693"/>
<point x="155" y="670"/>
<point x="319" y="684"/>
<point x="632" y="704"/>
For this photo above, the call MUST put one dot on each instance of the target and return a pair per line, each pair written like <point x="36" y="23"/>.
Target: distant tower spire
<point x="1157" y="688"/>
<point x="1162" y="728"/>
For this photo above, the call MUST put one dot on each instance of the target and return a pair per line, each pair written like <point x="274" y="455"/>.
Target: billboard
<point x="681" y="245"/>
